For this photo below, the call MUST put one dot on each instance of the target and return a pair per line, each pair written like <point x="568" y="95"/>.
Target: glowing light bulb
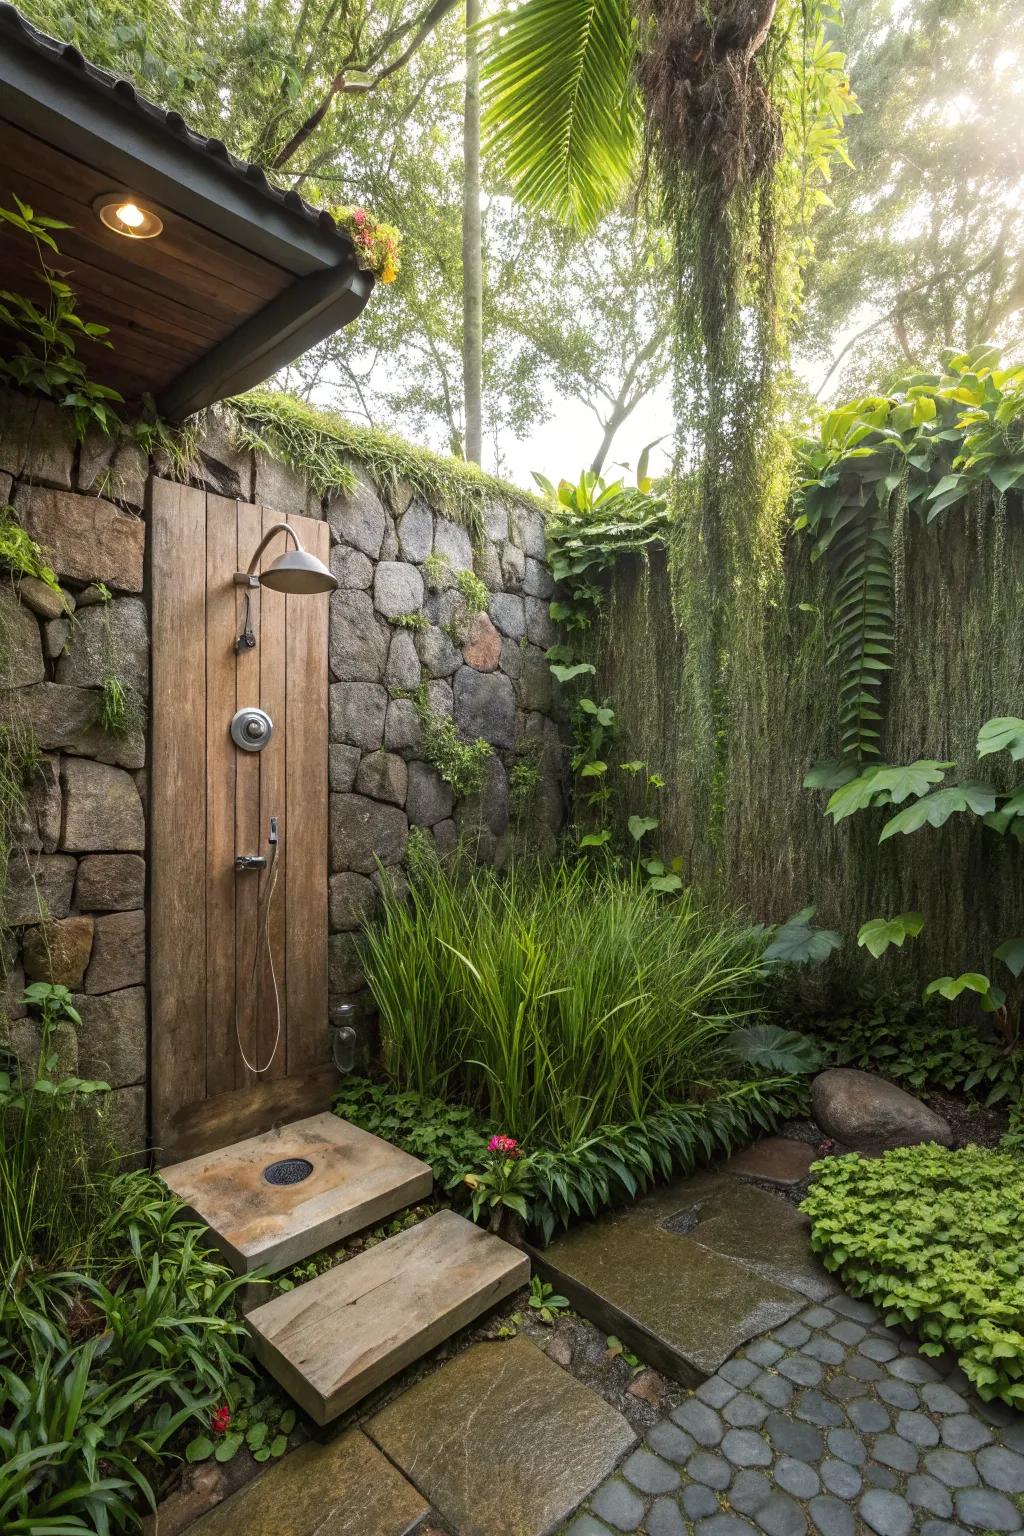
<point x="131" y="214"/>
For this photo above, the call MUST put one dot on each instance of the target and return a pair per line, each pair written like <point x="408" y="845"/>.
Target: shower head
<point x="296" y="571"/>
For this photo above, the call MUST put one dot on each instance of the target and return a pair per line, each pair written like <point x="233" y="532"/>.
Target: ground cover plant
<point x="585" y="1030"/>
<point x="118" y="1339"/>
<point x="932" y="1237"/>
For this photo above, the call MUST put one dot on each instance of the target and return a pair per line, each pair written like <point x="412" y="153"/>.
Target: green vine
<point x="954" y="439"/>
<point x="461" y="764"/>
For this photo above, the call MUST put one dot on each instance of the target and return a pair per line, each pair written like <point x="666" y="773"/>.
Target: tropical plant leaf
<point x="950" y="987"/>
<point x="1005" y="734"/>
<point x="797" y="943"/>
<point x="934" y="810"/>
<point x="877" y="935"/>
<point x="884" y="785"/>
<point x="1011" y="953"/>
<point x="830" y="774"/>
<point x="566" y="674"/>
<point x="639" y="826"/>
<point x="770" y="1048"/>
<point x="560" y="120"/>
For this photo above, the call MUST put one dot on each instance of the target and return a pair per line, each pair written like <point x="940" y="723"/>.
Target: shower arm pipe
<point x="249" y="578"/>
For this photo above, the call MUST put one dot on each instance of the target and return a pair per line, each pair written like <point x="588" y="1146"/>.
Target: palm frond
<point x="561" y="122"/>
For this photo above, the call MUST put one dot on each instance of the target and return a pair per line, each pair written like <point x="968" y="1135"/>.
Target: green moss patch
<point x="323" y="447"/>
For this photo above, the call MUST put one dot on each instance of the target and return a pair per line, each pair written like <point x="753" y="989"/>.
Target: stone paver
<point x="831" y="1424"/>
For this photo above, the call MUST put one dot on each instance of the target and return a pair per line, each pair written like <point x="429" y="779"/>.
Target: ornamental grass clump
<point x="557" y="1001"/>
<point x="934" y="1239"/>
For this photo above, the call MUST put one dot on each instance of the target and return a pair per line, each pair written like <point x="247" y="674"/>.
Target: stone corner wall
<point x="398" y="623"/>
<point x="77" y="871"/>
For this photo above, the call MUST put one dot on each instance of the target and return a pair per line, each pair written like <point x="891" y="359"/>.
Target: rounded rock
<point x="797" y="1478"/>
<point x="746" y="1448"/>
<point x="886" y="1513"/>
<point x="649" y="1473"/>
<point x="714" y="1471"/>
<point x="1001" y="1469"/>
<point x="841" y="1479"/>
<point x="831" y="1518"/>
<point x="984" y="1510"/>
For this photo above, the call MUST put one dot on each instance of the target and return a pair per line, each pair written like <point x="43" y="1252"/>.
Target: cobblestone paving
<point x="830" y="1424"/>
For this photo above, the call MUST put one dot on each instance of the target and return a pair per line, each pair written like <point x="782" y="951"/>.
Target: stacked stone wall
<point x="401" y="627"/>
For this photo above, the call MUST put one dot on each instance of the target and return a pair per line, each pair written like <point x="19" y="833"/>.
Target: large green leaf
<point x="1011" y="953"/>
<point x="773" y="1049"/>
<point x="935" y="809"/>
<point x="950" y="987"/>
<point x="876" y="936"/>
<point x="797" y="943"/>
<point x="883" y="785"/>
<point x="561" y="125"/>
<point x="1002" y="735"/>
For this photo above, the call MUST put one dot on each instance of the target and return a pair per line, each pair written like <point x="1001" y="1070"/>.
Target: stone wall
<point x="398" y="624"/>
<point x="77" y="874"/>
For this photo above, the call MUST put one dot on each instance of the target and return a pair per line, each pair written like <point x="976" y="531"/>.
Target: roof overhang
<point x="284" y="275"/>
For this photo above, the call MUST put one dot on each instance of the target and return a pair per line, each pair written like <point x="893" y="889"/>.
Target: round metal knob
<point x="251" y="729"/>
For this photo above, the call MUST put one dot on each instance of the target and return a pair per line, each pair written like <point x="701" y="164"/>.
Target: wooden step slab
<point x="346" y="1488"/>
<point x="503" y="1442"/>
<point x="334" y="1339"/>
<point x="357" y="1180"/>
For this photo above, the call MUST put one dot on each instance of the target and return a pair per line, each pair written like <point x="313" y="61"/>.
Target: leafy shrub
<point x="933" y="1238"/>
<point x="608" y="1166"/>
<point x="557" y="1000"/>
<point x="116" y="1321"/>
<point x="450" y="1137"/>
<point x="101" y="1372"/>
<point x="918" y="1047"/>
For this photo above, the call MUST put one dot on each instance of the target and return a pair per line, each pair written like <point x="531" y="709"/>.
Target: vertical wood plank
<point x="248" y="837"/>
<point x="178" y="800"/>
<point x="221" y="754"/>
<point x="307" y="624"/>
<point x="273" y="802"/>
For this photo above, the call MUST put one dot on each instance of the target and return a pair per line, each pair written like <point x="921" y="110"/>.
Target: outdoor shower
<point x="296" y="573"/>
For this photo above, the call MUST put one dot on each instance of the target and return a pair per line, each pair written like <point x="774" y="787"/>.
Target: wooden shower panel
<point x="209" y="801"/>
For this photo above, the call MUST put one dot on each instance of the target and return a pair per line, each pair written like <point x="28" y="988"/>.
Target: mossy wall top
<point x="766" y="844"/>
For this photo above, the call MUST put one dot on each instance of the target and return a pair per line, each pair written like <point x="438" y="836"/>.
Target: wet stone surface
<point x="794" y="1437"/>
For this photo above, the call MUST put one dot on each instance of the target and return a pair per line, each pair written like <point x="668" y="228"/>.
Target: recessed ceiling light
<point x="125" y="216"/>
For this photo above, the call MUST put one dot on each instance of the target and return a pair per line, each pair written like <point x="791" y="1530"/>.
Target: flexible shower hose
<point x="263" y="938"/>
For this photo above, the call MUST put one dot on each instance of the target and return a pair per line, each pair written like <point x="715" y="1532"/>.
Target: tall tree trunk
<point x="472" y="248"/>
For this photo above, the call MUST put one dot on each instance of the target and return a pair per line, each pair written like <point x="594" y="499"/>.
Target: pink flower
<point x="359" y="217"/>
<point x="507" y="1146"/>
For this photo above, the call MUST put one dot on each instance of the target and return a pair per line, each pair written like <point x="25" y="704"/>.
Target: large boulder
<point x="868" y="1114"/>
<point x="111" y="639"/>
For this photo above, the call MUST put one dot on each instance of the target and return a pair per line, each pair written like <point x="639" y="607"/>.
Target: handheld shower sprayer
<point x="269" y="864"/>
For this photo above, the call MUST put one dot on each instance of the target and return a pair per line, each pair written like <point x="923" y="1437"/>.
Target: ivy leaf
<point x="639" y="826"/>
<point x="876" y="936"/>
<point x="773" y="1049"/>
<point x="797" y="943"/>
<point x="1005" y="734"/>
<point x="1011" y="953"/>
<point x="934" y="810"/>
<point x="566" y="674"/>
<point x="950" y="987"/>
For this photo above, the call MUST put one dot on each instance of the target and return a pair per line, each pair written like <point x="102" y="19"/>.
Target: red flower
<point x="220" y="1420"/>
<point x="507" y="1146"/>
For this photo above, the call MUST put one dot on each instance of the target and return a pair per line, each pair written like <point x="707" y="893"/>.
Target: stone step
<point x="345" y="1488"/>
<point x="342" y="1180"/>
<point x="334" y="1339"/>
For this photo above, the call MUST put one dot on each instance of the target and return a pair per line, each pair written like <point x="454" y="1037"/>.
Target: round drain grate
<point x="290" y="1170"/>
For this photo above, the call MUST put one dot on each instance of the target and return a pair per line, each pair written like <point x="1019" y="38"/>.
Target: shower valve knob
<point x="251" y="729"/>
